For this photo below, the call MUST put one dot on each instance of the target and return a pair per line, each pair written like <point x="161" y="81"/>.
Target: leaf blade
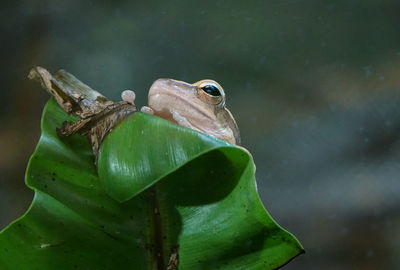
<point x="74" y="223"/>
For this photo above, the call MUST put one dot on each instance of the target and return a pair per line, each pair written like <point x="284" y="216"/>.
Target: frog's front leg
<point x="182" y="121"/>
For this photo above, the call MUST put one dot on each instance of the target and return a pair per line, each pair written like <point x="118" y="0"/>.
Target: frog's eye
<point x="211" y="90"/>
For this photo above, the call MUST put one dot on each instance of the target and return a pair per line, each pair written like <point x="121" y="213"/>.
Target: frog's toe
<point x="128" y="96"/>
<point x="147" y="110"/>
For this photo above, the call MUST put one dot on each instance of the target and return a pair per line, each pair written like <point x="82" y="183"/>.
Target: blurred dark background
<point x="314" y="86"/>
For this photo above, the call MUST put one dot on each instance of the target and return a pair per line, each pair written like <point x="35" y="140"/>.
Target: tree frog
<point x="200" y="106"/>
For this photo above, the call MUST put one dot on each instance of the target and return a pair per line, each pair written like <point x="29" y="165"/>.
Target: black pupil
<point x="212" y="90"/>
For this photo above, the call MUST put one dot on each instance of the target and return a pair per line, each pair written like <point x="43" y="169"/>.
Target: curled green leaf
<point x="162" y="197"/>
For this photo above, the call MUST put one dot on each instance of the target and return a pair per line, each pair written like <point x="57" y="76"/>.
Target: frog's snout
<point x="163" y="86"/>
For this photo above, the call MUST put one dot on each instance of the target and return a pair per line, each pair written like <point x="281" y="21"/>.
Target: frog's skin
<point x="200" y="106"/>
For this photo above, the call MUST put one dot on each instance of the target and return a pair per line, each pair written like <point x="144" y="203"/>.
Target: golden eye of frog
<point x="200" y="106"/>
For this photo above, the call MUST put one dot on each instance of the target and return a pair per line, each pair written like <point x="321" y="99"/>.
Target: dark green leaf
<point x="175" y="189"/>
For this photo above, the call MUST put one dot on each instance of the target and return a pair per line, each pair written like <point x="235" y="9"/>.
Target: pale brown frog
<point x="200" y="106"/>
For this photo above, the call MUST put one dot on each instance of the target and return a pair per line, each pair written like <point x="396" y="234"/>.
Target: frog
<point x="200" y="106"/>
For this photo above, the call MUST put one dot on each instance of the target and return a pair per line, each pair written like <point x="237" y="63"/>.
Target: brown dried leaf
<point x="98" y="114"/>
<point x="70" y="93"/>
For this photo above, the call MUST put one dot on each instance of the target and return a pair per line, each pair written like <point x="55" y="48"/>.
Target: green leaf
<point x="159" y="188"/>
<point x="144" y="149"/>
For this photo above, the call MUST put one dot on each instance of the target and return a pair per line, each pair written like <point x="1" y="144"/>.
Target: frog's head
<point x="200" y="106"/>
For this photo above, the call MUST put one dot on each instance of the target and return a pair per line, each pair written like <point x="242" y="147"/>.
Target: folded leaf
<point x="162" y="196"/>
